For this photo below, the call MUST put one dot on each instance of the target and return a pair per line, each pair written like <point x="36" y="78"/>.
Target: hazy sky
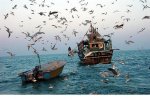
<point x="117" y="13"/>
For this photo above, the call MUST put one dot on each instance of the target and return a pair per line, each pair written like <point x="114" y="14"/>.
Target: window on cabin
<point x="95" y="45"/>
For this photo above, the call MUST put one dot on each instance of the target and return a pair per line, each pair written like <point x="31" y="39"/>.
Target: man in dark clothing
<point x="36" y="72"/>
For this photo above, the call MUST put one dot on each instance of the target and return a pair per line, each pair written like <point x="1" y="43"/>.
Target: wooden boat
<point x="95" y="49"/>
<point x="43" y="72"/>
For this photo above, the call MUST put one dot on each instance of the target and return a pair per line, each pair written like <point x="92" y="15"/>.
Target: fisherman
<point x="35" y="73"/>
<point x="70" y="52"/>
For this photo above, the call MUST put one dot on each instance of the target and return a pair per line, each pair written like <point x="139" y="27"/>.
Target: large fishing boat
<point x="95" y="48"/>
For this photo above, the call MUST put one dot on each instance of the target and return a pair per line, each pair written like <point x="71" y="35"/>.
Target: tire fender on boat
<point x="100" y="45"/>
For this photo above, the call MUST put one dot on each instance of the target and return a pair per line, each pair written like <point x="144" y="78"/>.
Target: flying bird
<point x="53" y="47"/>
<point x="129" y="42"/>
<point x="51" y="13"/>
<point x="141" y="30"/>
<point x="14" y="7"/>
<point x="145" y="7"/>
<point x="91" y="11"/>
<point x="42" y="13"/>
<point x="8" y="30"/>
<point x="100" y="5"/>
<point x="5" y="16"/>
<point x="11" y="54"/>
<point x="57" y="37"/>
<point x="114" y="71"/>
<point x="25" y="6"/>
<point x="104" y="13"/>
<point x="118" y="26"/>
<point x="129" y="5"/>
<point x="73" y="9"/>
<point x="12" y="13"/>
<point x="146" y="17"/>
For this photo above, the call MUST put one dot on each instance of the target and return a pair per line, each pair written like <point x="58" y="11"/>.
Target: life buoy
<point x="100" y="45"/>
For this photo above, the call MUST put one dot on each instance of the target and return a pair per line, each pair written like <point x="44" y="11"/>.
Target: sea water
<point x="79" y="79"/>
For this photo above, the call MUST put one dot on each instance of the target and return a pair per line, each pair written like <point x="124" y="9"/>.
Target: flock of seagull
<point x="37" y="36"/>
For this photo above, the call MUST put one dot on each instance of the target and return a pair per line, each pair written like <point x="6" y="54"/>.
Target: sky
<point x="117" y="11"/>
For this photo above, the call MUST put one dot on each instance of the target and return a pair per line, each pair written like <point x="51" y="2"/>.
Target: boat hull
<point x="100" y="58"/>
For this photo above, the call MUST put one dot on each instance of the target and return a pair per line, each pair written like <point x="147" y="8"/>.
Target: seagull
<point x="73" y="9"/>
<point x="36" y="34"/>
<point x="32" y="11"/>
<point x="57" y="37"/>
<point x="6" y="16"/>
<point x="141" y="30"/>
<point x="37" y="39"/>
<point x="146" y="17"/>
<point x="8" y="30"/>
<point x="127" y="19"/>
<point x="66" y="36"/>
<point x="51" y="13"/>
<point x="116" y="11"/>
<point x="12" y="13"/>
<point x="42" y="13"/>
<point x="129" y="42"/>
<point x="25" y="6"/>
<point x="38" y="26"/>
<point x="81" y="1"/>
<point x="114" y="71"/>
<point x="143" y="1"/>
<point x="53" y="47"/>
<point x="129" y="5"/>
<point x="145" y="6"/>
<point x="27" y="34"/>
<point x="54" y="26"/>
<point x="103" y="20"/>
<point x="29" y="17"/>
<point x="91" y="11"/>
<point x="100" y="5"/>
<point x="11" y="54"/>
<point x="84" y="9"/>
<point x="52" y="3"/>
<point x="128" y="11"/>
<point x="104" y="13"/>
<point x="14" y="7"/>
<point x="84" y="4"/>
<point x="118" y="26"/>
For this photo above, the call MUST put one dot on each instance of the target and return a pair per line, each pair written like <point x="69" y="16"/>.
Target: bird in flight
<point x="146" y="17"/>
<point x="6" y="16"/>
<point x="118" y="26"/>
<point x="8" y="30"/>
<point x="129" y="42"/>
<point x="10" y="53"/>
<point x="141" y="30"/>
<point x="53" y="47"/>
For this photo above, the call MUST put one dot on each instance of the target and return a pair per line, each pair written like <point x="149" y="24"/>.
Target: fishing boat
<point x="43" y="72"/>
<point x="95" y="48"/>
